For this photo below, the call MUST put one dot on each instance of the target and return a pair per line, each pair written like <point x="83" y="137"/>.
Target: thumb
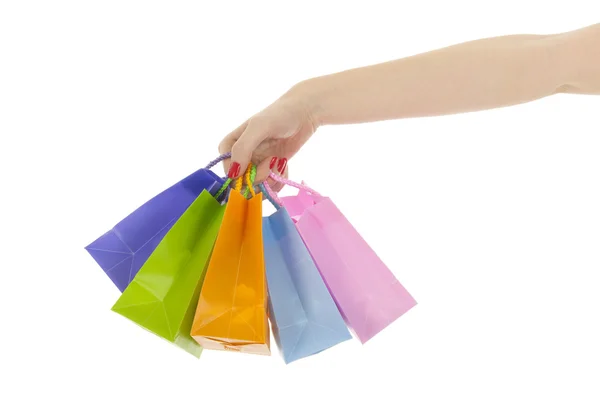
<point x="242" y="149"/>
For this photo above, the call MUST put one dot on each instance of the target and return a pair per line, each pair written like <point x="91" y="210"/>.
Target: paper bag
<point x="123" y="250"/>
<point x="162" y="297"/>
<point x="367" y="293"/>
<point x="232" y="309"/>
<point x="303" y="315"/>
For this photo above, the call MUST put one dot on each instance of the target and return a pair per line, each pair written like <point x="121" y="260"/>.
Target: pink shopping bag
<point x="366" y="292"/>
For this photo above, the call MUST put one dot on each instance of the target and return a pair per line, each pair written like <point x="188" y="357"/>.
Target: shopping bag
<point x="123" y="250"/>
<point x="367" y="293"/>
<point x="232" y="309"/>
<point x="162" y="296"/>
<point x="304" y="318"/>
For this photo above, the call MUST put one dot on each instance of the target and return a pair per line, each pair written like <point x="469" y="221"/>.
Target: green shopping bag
<point x="162" y="297"/>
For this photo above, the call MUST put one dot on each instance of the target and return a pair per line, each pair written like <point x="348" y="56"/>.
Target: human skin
<point x="472" y="76"/>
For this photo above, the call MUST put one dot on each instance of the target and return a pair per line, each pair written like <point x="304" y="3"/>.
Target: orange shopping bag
<point x="232" y="309"/>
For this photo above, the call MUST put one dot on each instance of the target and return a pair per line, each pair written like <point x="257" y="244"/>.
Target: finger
<point x="268" y="157"/>
<point x="242" y="149"/>
<point x="265" y="167"/>
<point x="228" y="141"/>
<point x="277" y="186"/>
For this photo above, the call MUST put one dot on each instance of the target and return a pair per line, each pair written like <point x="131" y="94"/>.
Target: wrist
<point x="577" y="61"/>
<point x="556" y="62"/>
<point x="310" y="95"/>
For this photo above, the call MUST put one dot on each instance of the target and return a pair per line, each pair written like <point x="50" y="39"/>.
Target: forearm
<point x="477" y="75"/>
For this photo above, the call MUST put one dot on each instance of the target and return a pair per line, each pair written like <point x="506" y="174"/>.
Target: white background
<point x="491" y="219"/>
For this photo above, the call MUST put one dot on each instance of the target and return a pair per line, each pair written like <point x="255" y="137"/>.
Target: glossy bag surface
<point x="232" y="309"/>
<point x="123" y="250"/>
<point x="304" y="317"/>
<point x="162" y="296"/>
<point x="367" y="293"/>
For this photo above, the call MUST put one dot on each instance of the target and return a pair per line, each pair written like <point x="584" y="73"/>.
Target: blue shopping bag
<point x="304" y="317"/>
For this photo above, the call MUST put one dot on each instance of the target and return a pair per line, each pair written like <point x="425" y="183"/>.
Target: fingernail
<point x="273" y="161"/>
<point x="234" y="170"/>
<point x="281" y="165"/>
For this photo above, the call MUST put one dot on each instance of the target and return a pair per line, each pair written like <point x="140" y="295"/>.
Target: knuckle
<point x="224" y="147"/>
<point x="260" y="122"/>
<point x="239" y="147"/>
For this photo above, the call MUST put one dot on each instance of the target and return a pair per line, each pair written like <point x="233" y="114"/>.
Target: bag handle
<point x="248" y="177"/>
<point x="288" y="182"/>
<point x="218" y="160"/>
<point x="228" y="180"/>
<point x="272" y="196"/>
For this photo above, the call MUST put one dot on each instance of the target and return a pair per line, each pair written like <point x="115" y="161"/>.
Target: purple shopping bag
<point x="123" y="250"/>
<point x="366" y="292"/>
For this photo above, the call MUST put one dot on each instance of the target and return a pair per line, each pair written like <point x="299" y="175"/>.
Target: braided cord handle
<point x="218" y="160"/>
<point x="281" y="179"/>
<point x="270" y="195"/>
<point x="248" y="178"/>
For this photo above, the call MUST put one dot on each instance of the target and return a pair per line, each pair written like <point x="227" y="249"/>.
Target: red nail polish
<point x="273" y="161"/>
<point x="281" y="165"/>
<point x="234" y="170"/>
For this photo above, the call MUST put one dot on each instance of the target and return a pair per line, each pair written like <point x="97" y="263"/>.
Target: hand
<point x="270" y="138"/>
